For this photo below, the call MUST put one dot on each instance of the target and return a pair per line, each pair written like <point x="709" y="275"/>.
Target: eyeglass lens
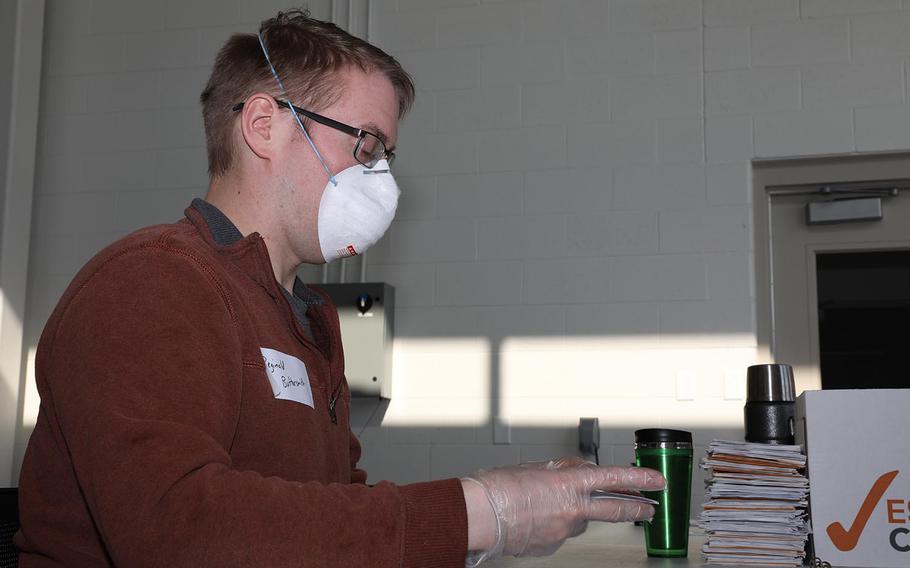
<point x="370" y="149"/>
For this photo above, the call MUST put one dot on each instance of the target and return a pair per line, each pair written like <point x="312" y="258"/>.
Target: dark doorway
<point x="864" y="319"/>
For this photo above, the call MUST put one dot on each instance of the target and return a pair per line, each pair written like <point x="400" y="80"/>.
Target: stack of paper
<point x="756" y="499"/>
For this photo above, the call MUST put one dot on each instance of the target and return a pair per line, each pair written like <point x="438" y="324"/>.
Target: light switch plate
<point x="734" y="384"/>
<point x="686" y="385"/>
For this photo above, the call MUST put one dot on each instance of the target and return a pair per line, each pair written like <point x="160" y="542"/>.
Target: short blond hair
<point x="307" y="54"/>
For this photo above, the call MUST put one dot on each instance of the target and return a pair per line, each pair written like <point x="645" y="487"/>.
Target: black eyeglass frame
<point x="358" y="133"/>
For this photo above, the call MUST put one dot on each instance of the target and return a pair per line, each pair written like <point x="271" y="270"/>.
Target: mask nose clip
<point x="373" y="172"/>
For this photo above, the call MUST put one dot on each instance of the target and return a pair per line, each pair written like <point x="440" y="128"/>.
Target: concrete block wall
<point x="577" y="176"/>
<point x="574" y="237"/>
<point x="120" y="141"/>
<point x="8" y="15"/>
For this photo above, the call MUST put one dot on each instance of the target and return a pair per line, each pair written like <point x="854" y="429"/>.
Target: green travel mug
<point x="670" y="453"/>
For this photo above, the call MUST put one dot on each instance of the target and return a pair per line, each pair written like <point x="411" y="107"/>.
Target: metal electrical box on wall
<point x="366" y="311"/>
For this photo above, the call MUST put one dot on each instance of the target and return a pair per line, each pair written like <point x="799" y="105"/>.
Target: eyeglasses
<point x="368" y="149"/>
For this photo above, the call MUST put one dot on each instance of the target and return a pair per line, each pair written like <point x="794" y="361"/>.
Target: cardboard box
<point x="858" y="446"/>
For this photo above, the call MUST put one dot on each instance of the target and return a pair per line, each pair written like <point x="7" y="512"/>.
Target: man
<point x="193" y="403"/>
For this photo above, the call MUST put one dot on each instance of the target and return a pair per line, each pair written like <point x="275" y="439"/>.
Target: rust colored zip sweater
<point x="159" y="440"/>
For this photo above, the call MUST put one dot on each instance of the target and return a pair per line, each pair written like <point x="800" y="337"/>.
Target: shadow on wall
<point x="407" y="454"/>
<point x="547" y="365"/>
<point x="481" y="386"/>
<point x="507" y="383"/>
<point x="488" y="386"/>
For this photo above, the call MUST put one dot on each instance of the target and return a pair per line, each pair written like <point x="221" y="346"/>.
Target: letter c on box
<point x="893" y="539"/>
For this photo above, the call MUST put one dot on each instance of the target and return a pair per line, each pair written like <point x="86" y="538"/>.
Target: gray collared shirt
<point x="225" y="233"/>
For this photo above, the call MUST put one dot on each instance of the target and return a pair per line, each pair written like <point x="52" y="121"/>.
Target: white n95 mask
<point x="357" y="205"/>
<point x="356" y="210"/>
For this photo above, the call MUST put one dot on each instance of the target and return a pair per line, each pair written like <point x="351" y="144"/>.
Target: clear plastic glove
<point x="539" y="505"/>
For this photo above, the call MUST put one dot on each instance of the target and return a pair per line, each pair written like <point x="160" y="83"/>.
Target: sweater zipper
<point x="333" y="397"/>
<point x="332" y="413"/>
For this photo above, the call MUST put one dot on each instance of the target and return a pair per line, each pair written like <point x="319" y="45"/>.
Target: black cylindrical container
<point x="770" y="404"/>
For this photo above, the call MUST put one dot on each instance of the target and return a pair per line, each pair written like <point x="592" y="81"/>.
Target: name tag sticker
<point x="288" y="376"/>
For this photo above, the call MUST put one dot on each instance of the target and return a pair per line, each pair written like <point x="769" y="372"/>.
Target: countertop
<point x="607" y="545"/>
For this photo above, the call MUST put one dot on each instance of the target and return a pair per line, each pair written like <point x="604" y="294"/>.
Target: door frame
<point x="769" y="174"/>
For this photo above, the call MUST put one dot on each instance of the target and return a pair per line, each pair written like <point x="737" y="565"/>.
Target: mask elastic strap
<point x="294" y="112"/>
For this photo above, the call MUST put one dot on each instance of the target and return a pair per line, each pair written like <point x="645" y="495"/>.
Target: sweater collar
<point x="225" y="233"/>
<point x="223" y="230"/>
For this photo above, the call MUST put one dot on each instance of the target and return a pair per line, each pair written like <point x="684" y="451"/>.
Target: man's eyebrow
<point x="374" y="128"/>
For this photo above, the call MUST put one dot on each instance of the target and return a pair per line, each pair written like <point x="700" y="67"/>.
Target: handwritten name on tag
<point x="288" y="376"/>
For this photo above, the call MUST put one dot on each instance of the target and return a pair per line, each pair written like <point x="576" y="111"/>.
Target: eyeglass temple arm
<point x="313" y="116"/>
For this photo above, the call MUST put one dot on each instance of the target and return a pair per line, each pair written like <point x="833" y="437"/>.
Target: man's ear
<point x="257" y="125"/>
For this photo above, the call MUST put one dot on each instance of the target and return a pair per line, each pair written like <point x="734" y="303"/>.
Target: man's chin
<point x="315" y="260"/>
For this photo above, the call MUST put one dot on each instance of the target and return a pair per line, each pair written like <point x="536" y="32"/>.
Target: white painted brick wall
<point x="478" y="283"/>
<point x="730" y="276"/>
<point x="656" y="96"/>
<point x="729" y="184"/>
<point x="619" y="319"/>
<point x="877" y="37"/>
<point x="726" y="48"/>
<point x="752" y="90"/>
<point x="648" y="278"/>
<point x="612" y="144"/>
<point x="882" y="128"/>
<point x="433" y="240"/>
<point x="728" y="139"/>
<point x="748" y="12"/>
<point x="859" y="84"/>
<point x="522" y="149"/>
<point x="824" y="8"/>
<point x="480" y="195"/>
<point x="811" y="131"/>
<point x="564" y="102"/>
<point x="576" y="221"/>
<point x="418" y="198"/>
<point x="525" y="237"/>
<point x="613" y="233"/>
<point x="614" y="54"/>
<point x="442" y="69"/>
<point x="404" y="30"/>
<point x="566" y="281"/>
<point x="678" y="50"/>
<point x="526" y="62"/>
<point x="437" y="153"/>
<point x="680" y="140"/>
<point x="478" y="25"/>
<point x="415" y="284"/>
<point x="800" y="42"/>
<point x="564" y="18"/>
<point x="479" y="109"/>
<point x="568" y="190"/>
<point x="658" y="187"/>
<point x="711" y="229"/>
<point x="654" y="15"/>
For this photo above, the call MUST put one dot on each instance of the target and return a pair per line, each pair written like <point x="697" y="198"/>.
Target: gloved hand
<point x="539" y="505"/>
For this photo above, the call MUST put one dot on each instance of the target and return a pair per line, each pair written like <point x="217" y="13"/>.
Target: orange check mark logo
<point x="846" y="539"/>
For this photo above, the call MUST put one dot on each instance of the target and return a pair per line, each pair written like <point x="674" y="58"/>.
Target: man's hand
<point x="531" y="509"/>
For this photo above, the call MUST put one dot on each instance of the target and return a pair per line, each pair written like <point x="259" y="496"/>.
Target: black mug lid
<point x="657" y="435"/>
